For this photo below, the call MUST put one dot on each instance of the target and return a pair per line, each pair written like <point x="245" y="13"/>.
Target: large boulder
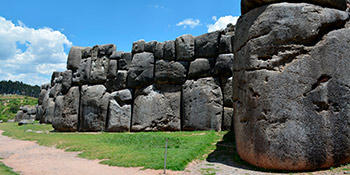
<point x="157" y="108"/>
<point x="66" y="81"/>
<point x="141" y="70"/>
<point x="67" y="111"/>
<point x="119" y="117"/>
<point x="112" y="69"/>
<point x="49" y="111"/>
<point x="117" y="83"/>
<point x="125" y="61"/>
<point x="291" y="87"/>
<point x="39" y="113"/>
<point x="185" y="47"/>
<point x="169" y="50"/>
<point x="41" y="96"/>
<point x="170" y="72"/>
<point x="226" y="84"/>
<point x="159" y="51"/>
<point x="151" y="46"/>
<point x="224" y="65"/>
<point x="227" y="123"/>
<point x="202" y="105"/>
<point x="201" y="67"/>
<point x="138" y="46"/>
<point x="74" y="58"/>
<point x="94" y="108"/>
<point x="99" y="70"/>
<point x="247" y="5"/>
<point x="207" y="45"/>
<point x="82" y="75"/>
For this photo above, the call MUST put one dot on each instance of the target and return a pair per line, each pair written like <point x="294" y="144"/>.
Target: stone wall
<point x="183" y="84"/>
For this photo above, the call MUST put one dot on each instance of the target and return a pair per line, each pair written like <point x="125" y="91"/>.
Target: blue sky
<point x="35" y="36"/>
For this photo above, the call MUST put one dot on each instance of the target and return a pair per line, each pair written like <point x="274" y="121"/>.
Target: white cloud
<point x="222" y="22"/>
<point x="189" y="22"/>
<point x="30" y="55"/>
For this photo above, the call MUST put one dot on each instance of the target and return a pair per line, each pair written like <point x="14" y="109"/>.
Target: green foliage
<point x="124" y="149"/>
<point x="19" y="88"/>
<point x="4" y="170"/>
<point x="9" y="105"/>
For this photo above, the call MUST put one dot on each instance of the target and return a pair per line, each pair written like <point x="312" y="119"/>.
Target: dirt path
<point x="29" y="158"/>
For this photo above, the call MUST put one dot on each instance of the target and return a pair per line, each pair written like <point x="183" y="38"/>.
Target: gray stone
<point x="225" y="45"/>
<point x="260" y="35"/>
<point x="56" y="77"/>
<point x="119" y="117"/>
<point x="159" y="52"/>
<point x="20" y="115"/>
<point x="74" y="58"/>
<point x="41" y="96"/>
<point x="117" y="83"/>
<point x="202" y="105"/>
<point x="141" y="70"/>
<point x="247" y="5"/>
<point x="157" y="108"/>
<point x="112" y="69"/>
<point x="228" y="119"/>
<point x="45" y="104"/>
<point x="25" y="122"/>
<point x="66" y="81"/>
<point x="116" y="55"/>
<point x="185" y="47"/>
<point x="93" y="106"/>
<point x="170" y="72"/>
<point x="56" y="90"/>
<point x="169" y="50"/>
<point x="291" y="106"/>
<point x="82" y="75"/>
<point x="123" y="96"/>
<point x="125" y="61"/>
<point x="31" y="111"/>
<point x="99" y="69"/>
<point x="138" y="46"/>
<point x="207" y="45"/>
<point x="224" y="65"/>
<point x="227" y="84"/>
<point x="106" y="50"/>
<point x="49" y="111"/>
<point x="45" y="86"/>
<point x="39" y="113"/>
<point x="67" y="111"/>
<point x="151" y="46"/>
<point x="201" y="67"/>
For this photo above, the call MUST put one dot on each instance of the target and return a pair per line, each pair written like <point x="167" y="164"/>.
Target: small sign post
<point x="166" y="150"/>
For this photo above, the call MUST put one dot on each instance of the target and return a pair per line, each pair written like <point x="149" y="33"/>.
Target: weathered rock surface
<point x="67" y="111"/>
<point x="151" y="46"/>
<point x="170" y="72"/>
<point x="227" y="84"/>
<point x="125" y="61"/>
<point x="223" y="65"/>
<point x="138" y="46"/>
<point x="49" y="111"/>
<point x="207" y="45"/>
<point x="169" y="50"/>
<point x="117" y="83"/>
<point x="228" y="119"/>
<point x="225" y="45"/>
<point x="93" y="106"/>
<point x="291" y="86"/>
<point x="185" y="47"/>
<point x="112" y="69"/>
<point x="157" y="108"/>
<point x="74" y="58"/>
<point x="82" y="75"/>
<point x="247" y="5"/>
<point x="41" y="96"/>
<point x="39" y="113"/>
<point x="141" y="70"/>
<point x="99" y="69"/>
<point x="202" y="105"/>
<point x="159" y="52"/>
<point x="120" y="111"/>
<point x="201" y="67"/>
<point x="66" y="81"/>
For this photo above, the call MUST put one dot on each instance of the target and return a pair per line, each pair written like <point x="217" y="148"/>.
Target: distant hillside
<point x="19" y="88"/>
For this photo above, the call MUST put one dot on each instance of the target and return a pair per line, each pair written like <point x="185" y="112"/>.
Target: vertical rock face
<point x="207" y="45"/>
<point x="120" y="111"/>
<point x="290" y="87"/>
<point x="141" y="70"/>
<point x="93" y="106"/>
<point x="67" y="111"/>
<point x="157" y="108"/>
<point x="202" y="105"/>
<point x="185" y="47"/>
<point x="170" y="72"/>
<point x="201" y="67"/>
<point x="82" y="75"/>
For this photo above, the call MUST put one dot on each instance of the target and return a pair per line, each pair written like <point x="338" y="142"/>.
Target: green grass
<point x="4" y="170"/>
<point x="144" y="149"/>
<point x="9" y="105"/>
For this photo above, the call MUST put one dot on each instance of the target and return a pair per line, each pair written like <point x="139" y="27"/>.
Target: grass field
<point x="145" y="149"/>
<point x="9" y="105"/>
<point x="4" y="170"/>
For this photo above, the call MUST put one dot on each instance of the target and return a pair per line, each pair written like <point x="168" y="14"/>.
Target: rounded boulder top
<point x="247" y="5"/>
